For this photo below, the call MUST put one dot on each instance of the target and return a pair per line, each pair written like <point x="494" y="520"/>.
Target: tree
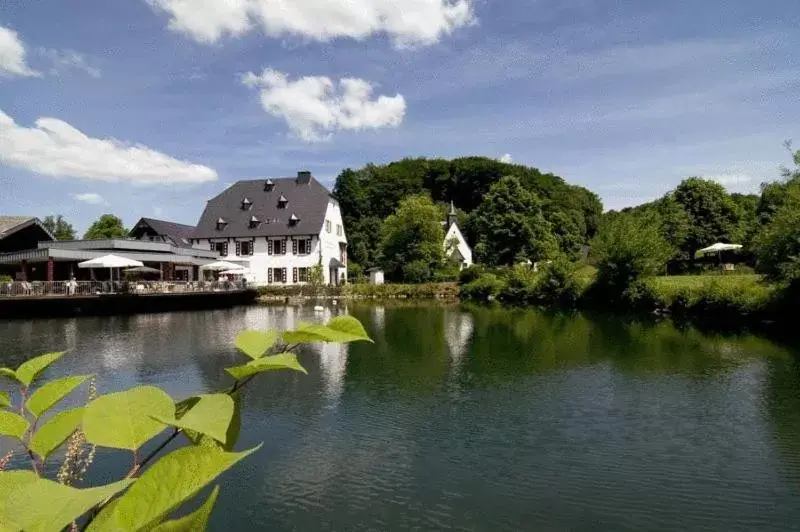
<point x="714" y="216"/>
<point x="628" y="248"/>
<point x="107" y="226"/>
<point x="778" y="244"/>
<point x="509" y="226"/>
<point x="59" y="227"/>
<point x="412" y="240"/>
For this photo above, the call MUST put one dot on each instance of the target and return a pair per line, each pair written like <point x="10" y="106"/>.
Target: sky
<point x="152" y="107"/>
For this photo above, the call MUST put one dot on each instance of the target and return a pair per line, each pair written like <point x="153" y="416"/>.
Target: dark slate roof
<point x="11" y="224"/>
<point x="177" y="233"/>
<point x="308" y="201"/>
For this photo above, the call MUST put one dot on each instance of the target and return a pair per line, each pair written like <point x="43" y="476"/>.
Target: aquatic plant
<point x="159" y="481"/>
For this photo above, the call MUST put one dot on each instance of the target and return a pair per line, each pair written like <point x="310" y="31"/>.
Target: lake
<point x="482" y="419"/>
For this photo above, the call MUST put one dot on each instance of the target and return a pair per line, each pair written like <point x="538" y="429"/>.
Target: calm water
<point x="474" y="420"/>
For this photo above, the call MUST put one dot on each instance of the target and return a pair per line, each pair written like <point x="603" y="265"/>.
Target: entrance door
<point x="334" y="276"/>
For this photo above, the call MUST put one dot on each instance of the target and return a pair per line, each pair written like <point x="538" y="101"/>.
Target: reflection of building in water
<point x="458" y="327"/>
<point x="333" y="365"/>
<point x="378" y="317"/>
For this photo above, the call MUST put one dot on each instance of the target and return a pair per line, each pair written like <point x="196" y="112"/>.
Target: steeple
<point x="452" y="217"/>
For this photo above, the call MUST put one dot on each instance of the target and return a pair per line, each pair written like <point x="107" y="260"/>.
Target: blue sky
<point x="151" y="107"/>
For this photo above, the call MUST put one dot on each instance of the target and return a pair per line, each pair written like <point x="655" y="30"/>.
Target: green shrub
<point x="6" y="279"/>
<point x="485" y="287"/>
<point x="403" y="291"/>
<point x="467" y="275"/>
<point x="519" y="286"/>
<point x="558" y="284"/>
<point x="418" y="271"/>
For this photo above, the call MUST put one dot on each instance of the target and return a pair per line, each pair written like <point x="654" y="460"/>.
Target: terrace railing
<point x="85" y="288"/>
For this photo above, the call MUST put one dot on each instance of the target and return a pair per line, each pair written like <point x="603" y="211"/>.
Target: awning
<point x="336" y="263"/>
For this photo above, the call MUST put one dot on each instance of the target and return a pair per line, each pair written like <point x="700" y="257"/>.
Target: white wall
<point x="463" y="247"/>
<point x="325" y="245"/>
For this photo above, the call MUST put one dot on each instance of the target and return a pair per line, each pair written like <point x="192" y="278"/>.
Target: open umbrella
<point x="143" y="269"/>
<point x="110" y="262"/>
<point x="221" y="265"/>
<point x="718" y="248"/>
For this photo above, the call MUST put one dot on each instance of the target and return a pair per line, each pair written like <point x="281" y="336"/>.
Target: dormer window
<point x="254" y="221"/>
<point x="293" y="220"/>
<point x="269" y="185"/>
<point x="246" y="204"/>
<point x="221" y="223"/>
<point x="282" y="202"/>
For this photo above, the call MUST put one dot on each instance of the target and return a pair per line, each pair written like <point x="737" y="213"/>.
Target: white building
<point x="278" y="229"/>
<point x="456" y="248"/>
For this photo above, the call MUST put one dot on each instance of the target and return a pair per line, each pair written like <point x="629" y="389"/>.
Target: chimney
<point x="303" y="177"/>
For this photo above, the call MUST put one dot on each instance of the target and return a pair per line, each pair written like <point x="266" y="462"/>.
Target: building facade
<point x="456" y="248"/>
<point x="279" y="230"/>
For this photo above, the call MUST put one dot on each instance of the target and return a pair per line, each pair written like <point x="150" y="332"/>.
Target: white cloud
<point x="729" y="180"/>
<point x="407" y="22"/>
<point x="91" y="198"/>
<point x="55" y="148"/>
<point x="12" y="55"/>
<point x="64" y="60"/>
<point x="506" y="159"/>
<point x="316" y="106"/>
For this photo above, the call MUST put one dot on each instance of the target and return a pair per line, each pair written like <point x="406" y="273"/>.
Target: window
<point x="221" y="223"/>
<point x="303" y="246"/>
<point x="276" y="247"/>
<point x="244" y="247"/>
<point x="302" y="275"/>
<point x="327" y="226"/>
<point x="338" y="230"/>
<point x="276" y="275"/>
<point x="220" y="247"/>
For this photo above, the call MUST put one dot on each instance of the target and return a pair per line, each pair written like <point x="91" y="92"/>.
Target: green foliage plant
<point x="106" y="227"/>
<point x="159" y="482"/>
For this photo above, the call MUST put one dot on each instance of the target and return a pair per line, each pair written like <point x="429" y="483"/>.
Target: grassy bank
<point x="363" y="291"/>
<point x="714" y="297"/>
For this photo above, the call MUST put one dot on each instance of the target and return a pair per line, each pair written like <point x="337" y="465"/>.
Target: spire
<point x="452" y="217"/>
<point x="452" y="208"/>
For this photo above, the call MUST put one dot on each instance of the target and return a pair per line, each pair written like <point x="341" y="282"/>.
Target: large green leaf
<point x="232" y="434"/>
<point x="8" y="372"/>
<point x="211" y="415"/>
<point x="44" y="505"/>
<point x="12" y="424"/>
<point x="123" y="420"/>
<point x="342" y="329"/>
<point x="350" y="327"/>
<point x="51" y="393"/>
<point x="255" y="343"/>
<point x="11" y="481"/>
<point x="166" y="485"/>
<point x="270" y="363"/>
<point x="5" y="400"/>
<point x="55" y="431"/>
<point x="31" y="369"/>
<point x="195" y="521"/>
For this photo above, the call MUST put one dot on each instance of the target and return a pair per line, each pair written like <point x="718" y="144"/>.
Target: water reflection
<point x="475" y="418"/>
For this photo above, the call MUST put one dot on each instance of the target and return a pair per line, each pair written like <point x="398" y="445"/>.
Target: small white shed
<point x="375" y="275"/>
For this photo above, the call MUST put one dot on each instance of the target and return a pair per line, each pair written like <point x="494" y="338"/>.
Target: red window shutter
<point x="294" y="247"/>
<point x="269" y="247"/>
<point x="269" y="275"/>
<point x="283" y="271"/>
<point x="238" y="248"/>
<point x="294" y="275"/>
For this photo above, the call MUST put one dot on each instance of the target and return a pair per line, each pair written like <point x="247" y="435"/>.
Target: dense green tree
<point x="778" y="243"/>
<point x="509" y="226"/>
<point x="59" y="227"/>
<point x="107" y="226"/>
<point x="627" y="248"/>
<point x="412" y="240"/>
<point x="748" y="219"/>
<point x="714" y="215"/>
<point x="373" y="192"/>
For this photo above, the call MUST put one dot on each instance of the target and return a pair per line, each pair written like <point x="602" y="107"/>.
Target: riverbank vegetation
<point x="448" y="290"/>
<point x="644" y="258"/>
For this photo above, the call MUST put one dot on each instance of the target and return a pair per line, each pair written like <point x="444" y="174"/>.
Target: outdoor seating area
<point x="90" y="288"/>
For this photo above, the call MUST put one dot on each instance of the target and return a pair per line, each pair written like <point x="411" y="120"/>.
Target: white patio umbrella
<point x="221" y="265"/>
<point x="718" y="248"/>
<point x="110" y="262"/>
<point x="238" y="271"/>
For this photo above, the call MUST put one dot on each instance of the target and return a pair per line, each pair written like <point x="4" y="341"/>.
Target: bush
<point x="467" y="275"/>
<point x="6" y="279"/>
<point x="485" y="287"/>
<point x="711" y="296"/>
<point x="403" y="291"/>
<point x="520" y="285"/>
<point x="417" y="271"/>
<point x="559" y="284"/>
